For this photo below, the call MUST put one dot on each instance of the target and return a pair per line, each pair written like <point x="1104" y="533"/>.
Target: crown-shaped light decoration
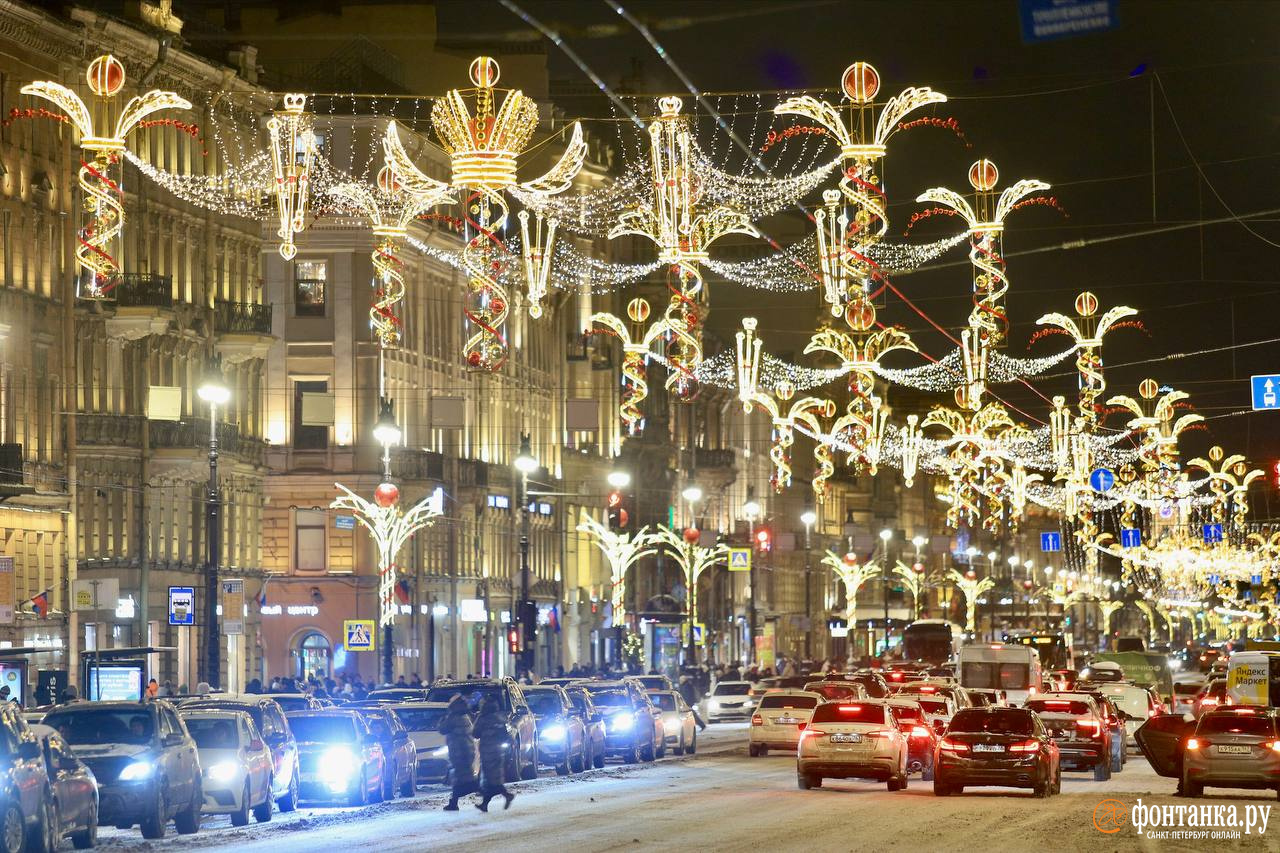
<point x="105" y="140"/>
<point x="1088" y="334"/>
<point x="293" y="152"/>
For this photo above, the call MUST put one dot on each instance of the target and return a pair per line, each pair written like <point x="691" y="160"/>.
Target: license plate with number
<point x="849" y="738"/>
<point x="787" y="721"/>
<point x="1234" y="750"/>
<point x="988" y="747"/>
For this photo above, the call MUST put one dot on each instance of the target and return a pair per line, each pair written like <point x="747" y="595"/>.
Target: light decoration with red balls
<point x="105" y="78"/>
<point x="637" y="344"/>
<point x="852" y="575"/>
<point x="692" y="558"/>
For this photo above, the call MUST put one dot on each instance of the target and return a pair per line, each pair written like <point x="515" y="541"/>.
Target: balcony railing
<point x="194" y="433"/>
<point x="242" y="317"/>
<point x="107" y="430"/>
<point x="411" y="464"/>
<point x="143" y="290"/>
<point x="704" y="458"/>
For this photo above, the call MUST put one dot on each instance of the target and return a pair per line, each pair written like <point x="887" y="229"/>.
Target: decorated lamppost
<point x="103" y="130"/>
<point x="621" y="551"/>
<point x="852" y="576"/>
<point x="215" y="392"/>
<point x="693" y="559"/>
<point x="526" y="463"/>
<point x="970" y="586"/>
<point x="808" y="517"/>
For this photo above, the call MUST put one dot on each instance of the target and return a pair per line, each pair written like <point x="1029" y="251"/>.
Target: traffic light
<point x="617" y="510"/>
<point x="1275" y="473"/>
<point x="513" y="640"/>
<point x="764" y="541"/>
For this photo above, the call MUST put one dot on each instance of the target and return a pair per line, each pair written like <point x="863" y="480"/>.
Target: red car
<point x="922" y="740"/>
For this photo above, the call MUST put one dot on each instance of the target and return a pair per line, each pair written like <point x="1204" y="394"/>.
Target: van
<point x="1011" y="667"/>
<point x="1253" y="678"/>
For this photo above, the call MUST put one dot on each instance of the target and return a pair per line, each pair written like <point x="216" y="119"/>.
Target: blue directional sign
<point x="344" y="522"/>
<point x="1045" y="20"/>
<point x="1266" y="392"/>
<point x="1101" y="479"/>
<point x="1050" y="542"/>
<point x="1130" y="537"/>
<point x="1212" y="533"/>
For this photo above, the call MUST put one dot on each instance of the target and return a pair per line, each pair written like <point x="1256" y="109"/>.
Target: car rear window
<point x="213" y="732"/>
<point x="1236" y="724"/>
<point x="1186" y="689"/>
<point x="611" y="698"/>
<point x="906" y="712"/>
<point x="323" y="729"/>
<point x="788" y="702"/>
<point x="732" y="689"/>
<point x="836" y="691"/>
<point x="837" y="712"/>
<point x="1005" y="721"/>
<point x="934" y="706"/>
<point x="1059" y="706"/>
<point x="420" y="719"/>
<point x="473" y="693"/>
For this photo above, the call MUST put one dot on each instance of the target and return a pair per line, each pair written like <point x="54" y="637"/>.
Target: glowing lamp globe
<point x="971" y="574"/>
<point x="692" y="535"/>
<point x="387" y="180"/>
<point x="851" y="559"/>
<point x="1086" y="304"/>
<point x="784" y="390"/>
<point x="386" y="495"/>
<point x="983" y="175"/>
<point x="105" y="76"/>
<point x="860" y="82"/>
<point x="860" y="315"/>
<point x="638" y="310"/>
<point x="484" y="72"/>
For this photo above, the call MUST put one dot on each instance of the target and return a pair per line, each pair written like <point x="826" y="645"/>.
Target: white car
<point x="729" y="700"/>
<point x="938" y="710"/>
<point x="422" y="719"/>
<point x="780" y="718"/>
<point x="236" y="764"/>
<point x="1136" y="702"/>
<point x="1184" y="695"/>
<point x="679" y="728"/>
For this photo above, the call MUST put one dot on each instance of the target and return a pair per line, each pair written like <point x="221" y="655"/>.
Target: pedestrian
<point x="166" y="689"/>
<point x="457" y="730"/>
<point x="153" y="689"/>
<point x="690" y="693"/>
<point x="69" y="694"/>
<point x="400" y="682"/>
<point x="491" y="731"/>
<point x="254" y="686"/>
<point x="203" y="689"/>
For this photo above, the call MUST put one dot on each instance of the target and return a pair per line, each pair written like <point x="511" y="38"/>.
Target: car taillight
<point x="1093" y="726"/>
<point x="1193" y="743"/>
<point x="920" y="731"/>
<point x="757" y="720"/>
<point x="953" y="745"/>
<point x="801" y="726"/>
<point x="1031" y="691"/>
<point x="1272" y="745"/>
<point x="813" y="733"/>
<point x="1025" y="746"/>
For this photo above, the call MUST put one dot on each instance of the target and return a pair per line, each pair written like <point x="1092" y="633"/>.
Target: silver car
<point x="1232" y="748"/>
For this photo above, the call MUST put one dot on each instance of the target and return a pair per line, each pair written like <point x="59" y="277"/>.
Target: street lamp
<point x="885" y="535"/>
<point x="387" y="432"/>
<point x="751" y="511"/>
<point x="619" y="479"/>
<point x="808" y="517"/>
<point x="215" y="392"/>
<point x="526" y="464"/>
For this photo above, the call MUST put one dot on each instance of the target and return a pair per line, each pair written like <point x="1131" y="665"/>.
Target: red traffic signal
<point x="513" y="640"/>
<point x="1275" y="474"/>
<point x="618" y="516"/>
<point x="764" y="542"/>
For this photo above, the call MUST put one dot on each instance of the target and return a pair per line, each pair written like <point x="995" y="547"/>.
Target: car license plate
<point x="787" y="721"/>
<point x="988" y="747"/>
<point x="1234" y="750"/>
<point x="849" y="738"/>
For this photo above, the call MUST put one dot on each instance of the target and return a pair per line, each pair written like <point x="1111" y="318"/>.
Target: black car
<point x="873" y="682"/>
<point x="521" y="725"/>
<point x="144" y="759"/>
<point x="296" y="701"/>
<point x="630" y="729"/>
<point x="562" y="734"/>
<point x="1009" y="747"/>
<point x="269" y="717"/>
<point x="75" y="791"/>
<point x="27" y="818"/>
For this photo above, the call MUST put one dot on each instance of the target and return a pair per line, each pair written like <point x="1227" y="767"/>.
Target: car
<point x="984" y="698"/>
<point x="958" y="695"/>
<point x="653" y="681"/>
<point x="236" y="764"/>
<point x="872" y="682"/>
<point x="35" y="715"/>
<point x="521" y="726"/>
<point x="339" y="757"/>
<point x="398" y="694"/>
<point x="290" y="701"/>
<point x="592" y="720"/>
<point x="921" y="737"/>
<point x="1212" y="695"/>
<point x="729" y="700"/>
<point x="398" y="751"/>
<point x="1009" y="747"/>
<point x="1232" y="748"/>
<point x="780" y="718"/>
<point x="562" y="736"/>
<point x="852" y="741"/>
<point x="830" y="691"/>
<point x="562" y="682"/>
<point x="1111" y="716"/>
<point x="270" y="720"/>
<point x="1103" y="671"/>
<point x="1060" y="679"/>
<point x="143" y="758"/>
<point x="1135" y="703"/>
<point x="422" y="721"/>
<point x="1078" y="726"/>
<point x="938" y="710"/>
<point x="1184" y="695"/>
<point x="630" y="730"/>
<point x="74" y="789"/>
<point x="679" y="728"/>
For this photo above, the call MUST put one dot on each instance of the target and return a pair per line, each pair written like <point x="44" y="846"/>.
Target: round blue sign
<point x="1101" y="480"/>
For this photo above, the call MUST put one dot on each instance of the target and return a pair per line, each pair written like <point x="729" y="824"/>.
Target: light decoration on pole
<point x="805" y="410"/>
<point x="637" y="342"/>
<point x="692" y="558"/>
<point x="103" y="198"/>
<point x="1087" y="335"/>
<point x="484" y="141"/>
<point x="969" y="441"/>
<point x="971" y="588"/>
<point x="852" y="575"/>
<point x="621" y="550"/>
<point x="293" y="153"/>
<point x="1229" y="479"/>
<point x="675" y="220"/>
<point x="915" y="579"/>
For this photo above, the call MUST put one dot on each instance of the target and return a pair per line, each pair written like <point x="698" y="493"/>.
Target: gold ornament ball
<point x="784" y="390"/>
<point x="105" y="76"/>
<point x="983" y="175"/>
<point x="860" y="82"/>
<point x="1148" y="389"/>
<point x="1215" y="453"/>
<point x="1086" y="304"/>
<point x="484" y="72"/>
<point x="638" y="310"/>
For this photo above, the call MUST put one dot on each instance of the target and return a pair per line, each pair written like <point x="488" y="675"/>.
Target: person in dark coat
<point x="491" y="731"/>
<point x="456" y="728"/>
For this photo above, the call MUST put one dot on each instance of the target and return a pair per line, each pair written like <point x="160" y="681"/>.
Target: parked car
<point x="339" y="758"/>
<point x="781" y="719"/>
<point x="1078" y="726"/>
<point x="592" y="720"/>
<point x="522" y="727"/>
<point x="422" y="721"/>
<point x="236" y="764"/>
<point x="75" y="791"/>
<point x="653" y="682"/>
<point x="997" y="746"/>
<point x="398" y="751"/>
<point x="679" y="728"/>
<point x="852" y="741"/>
<point x="144" y="761"/>
<point x="291" y="701"/>
<point x="630" y="730"/>
<point x="28" y="814"/>
<point x="562" y="736"/>
<point x="270" y="720"/>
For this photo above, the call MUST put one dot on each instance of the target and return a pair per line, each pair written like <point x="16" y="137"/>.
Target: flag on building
<point x="40" y="604"/>
<point x="402" y="592"/>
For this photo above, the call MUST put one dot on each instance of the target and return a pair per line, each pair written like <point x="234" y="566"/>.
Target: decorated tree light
<point x="852" y="575"/>
<point x="971" y="588"/>
<point x="95" y="242"/>
<point x="621" y="551"/>
<point x="915" y="579"/>
<point x="692" y="558"/>
<point x="637" y="343"/>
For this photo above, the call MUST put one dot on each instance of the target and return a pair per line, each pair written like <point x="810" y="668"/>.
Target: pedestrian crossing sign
<point x="360" y="635"/>
<point x="739" y="559"/>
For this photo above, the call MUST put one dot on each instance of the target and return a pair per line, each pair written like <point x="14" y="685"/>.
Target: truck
<point x="1010" y="667"/>
<point x="1253" y="678"/>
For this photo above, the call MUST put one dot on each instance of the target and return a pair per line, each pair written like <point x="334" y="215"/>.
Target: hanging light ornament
<point x="683" y="232"/>
<point x="102" y="196"/>
<point x="806" y="410"/>
<point x="484" y="140"/>
<point x="293" y="152"/>
<point x="1154" y="419"/>
<point x="844" y="242"/>
<point x="970" y="441"/>
<point x="1088" y="334"/>
<point x="637" y="342"/>
<point x="1229" y="479"/>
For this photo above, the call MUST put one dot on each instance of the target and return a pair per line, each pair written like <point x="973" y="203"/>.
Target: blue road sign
<point x="344" y="522"/>
<point x="182" y="605"/>
<point x="1101" y="480"/>
<point x="1045" y="20"/>
<point x="1212" y="533"/>
<point x="1050" y="542"/>
<point x="1130" y="537"/>
<point x="1266" y="392"/>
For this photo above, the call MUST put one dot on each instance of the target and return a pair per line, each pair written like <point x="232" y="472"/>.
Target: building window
<point x="309" y="279"/>
<point x="308" y="540"/>
<point x="313" y="656"/>
<point x="305" y="436"/>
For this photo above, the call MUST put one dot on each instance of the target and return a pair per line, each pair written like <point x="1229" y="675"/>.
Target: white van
<point x="1011" y="667"/>
<point x="1253" y="678"/>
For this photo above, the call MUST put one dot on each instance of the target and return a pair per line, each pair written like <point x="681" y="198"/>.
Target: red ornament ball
<point x="474" y="359"/>
<point x="387" y="180"/>
<point x="498" y="306"/>
<point x="386" y="494"/>
<point x="983" y="175"/>
<point x="692" y="535"/>
<point x="105" y="76"/>
<point x="861" y="81"/>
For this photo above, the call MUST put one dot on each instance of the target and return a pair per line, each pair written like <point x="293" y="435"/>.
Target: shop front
<point x="302" y="628"/>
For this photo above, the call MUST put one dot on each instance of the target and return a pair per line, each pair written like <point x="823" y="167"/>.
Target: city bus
<point x="1054" y="647"/>
<point x="1012" y="667"/>
<point x="934" y="640"/>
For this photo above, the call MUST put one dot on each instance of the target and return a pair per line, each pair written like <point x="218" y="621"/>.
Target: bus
<point x="1054" y="647"/>
<point x="1012" y="667"/>
<point x="934" y="640"/>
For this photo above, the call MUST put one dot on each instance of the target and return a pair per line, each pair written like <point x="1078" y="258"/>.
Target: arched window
<point x="313" y="655"/>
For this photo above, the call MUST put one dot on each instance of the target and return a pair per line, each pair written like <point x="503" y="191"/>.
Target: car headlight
<point x="622" y="722"/>
<point x="748" y="703"/>
<point x="337" y="766"/>
<point x="136" y="771"/>
<point x="223" y="771"/>
<point x="442" y="752"/>
<point x="554" y="732"/>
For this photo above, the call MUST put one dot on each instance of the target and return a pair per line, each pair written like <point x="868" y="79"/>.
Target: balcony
<point x="411" y="464"/>
<point x="193" y="434"/>
<point x="143" y="306"/>
<point x="105" y="430"/>
<point x="244" y="330"/>
<point x="705" y="458"/>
